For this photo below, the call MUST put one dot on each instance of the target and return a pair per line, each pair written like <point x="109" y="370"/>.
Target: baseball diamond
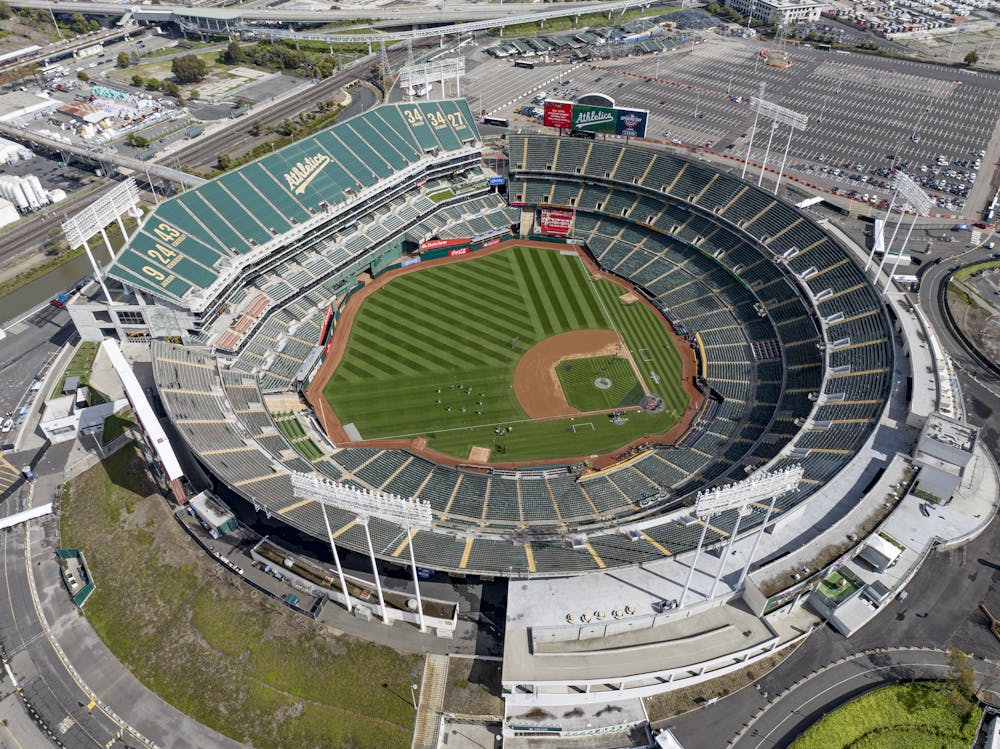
<point x="432" y="356"/>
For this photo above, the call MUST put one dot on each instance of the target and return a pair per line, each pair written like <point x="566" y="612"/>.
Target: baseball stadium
<point x="552" y="343"/>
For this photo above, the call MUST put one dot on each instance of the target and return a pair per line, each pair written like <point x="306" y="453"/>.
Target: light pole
<point x="413" y="695"/>
<point x="753" y="131"/>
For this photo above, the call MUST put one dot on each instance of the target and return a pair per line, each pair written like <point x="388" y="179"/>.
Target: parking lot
<point x="867" y="115"/>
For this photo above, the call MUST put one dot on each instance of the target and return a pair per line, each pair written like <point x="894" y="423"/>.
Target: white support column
<point x="152" y="187"/>
<point x="899" y="254"/>
<point x="416" y="579"/>
<point x="767" y="152"/>
<point x="892" y="239"/>
<point x="753" y="131"/>
<point x="756" y="542"/>
<point x="694" y="563"/>
<point x="97" y="271"/>
<point x="378" y="582"/>
<point x="725" y="554"/>
<point x="784" y="157"/>
<point x="336" y="561"/>
<point x="121" y="228"/>
<point x="888" y="215"/>
<point x="107" y="244"/>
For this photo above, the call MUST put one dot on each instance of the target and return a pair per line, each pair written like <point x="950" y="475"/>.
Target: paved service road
<point x="49" y="689"/>
<point x="802" y="706"/>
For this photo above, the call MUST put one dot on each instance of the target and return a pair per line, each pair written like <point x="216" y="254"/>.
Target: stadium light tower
<point x="778" y="115"/>
<point x="80" y="227"/>
<point x="916" y="201"/>
<point x="739" y="496"/>
<point x="411" y="514"/>
<point x="789" y="479"/>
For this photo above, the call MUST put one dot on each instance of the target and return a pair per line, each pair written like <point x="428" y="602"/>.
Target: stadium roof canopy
<point x="184" y="245"/>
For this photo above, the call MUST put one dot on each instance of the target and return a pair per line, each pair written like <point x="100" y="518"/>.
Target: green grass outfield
<point x="441" y="338"/>
<point x="577" y="377"/>
<point x="918" y="715"/>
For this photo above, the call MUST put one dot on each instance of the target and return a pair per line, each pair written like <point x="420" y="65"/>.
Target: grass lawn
<point x="433" y="353"/>
<point x="916" y="716"/>
<point x="579" y="377"/>
<point x="837" y="587"/>
<point x="79" y="366"/>
<point x="228" y="656"/>
<point x="116" y="424"/>
<point x="963" y="274"/>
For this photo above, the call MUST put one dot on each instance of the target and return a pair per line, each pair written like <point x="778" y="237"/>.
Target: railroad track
<point x="205" y="152"/>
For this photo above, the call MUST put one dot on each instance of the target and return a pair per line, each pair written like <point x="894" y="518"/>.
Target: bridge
<point x="102" y="157"/>
<point x="471" y="17"/>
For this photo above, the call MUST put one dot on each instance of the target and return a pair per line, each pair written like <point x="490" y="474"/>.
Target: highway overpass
<point x="102" y="157"/>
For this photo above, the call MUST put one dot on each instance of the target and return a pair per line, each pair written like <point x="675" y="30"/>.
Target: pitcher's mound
<point x="479" y="454"/>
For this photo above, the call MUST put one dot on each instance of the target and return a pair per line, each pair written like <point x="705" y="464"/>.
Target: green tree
<point x="5" y="11"/>
<point x="225" y="163"/>
<point x="124" y="60"/>
<point x="960" y="689"/>
<point x="83" y="76"/>
<point x="136" y="140"/>
<point x="234" y="54"/>
<point x="189" y="69"/>
<point x="972" y="58"/>
<point x="138" y="80"/>
<point x="960" y="672"/>
<point x="170" y="88"/>
<point x="79" y="24"/>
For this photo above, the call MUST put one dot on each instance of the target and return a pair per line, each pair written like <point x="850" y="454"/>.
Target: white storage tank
<point x="36" y="187"/>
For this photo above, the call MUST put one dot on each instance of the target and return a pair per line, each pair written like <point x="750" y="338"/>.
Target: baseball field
<point x="522" y="354"/>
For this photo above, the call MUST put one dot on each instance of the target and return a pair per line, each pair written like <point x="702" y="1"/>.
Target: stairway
<point x="425" y="729"/>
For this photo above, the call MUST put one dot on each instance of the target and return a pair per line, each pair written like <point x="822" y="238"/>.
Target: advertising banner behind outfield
<point x="594" y="119"/>
<point x="436" y="244"/>
<point x="556" y="223"/>
<point x="558" y="114"/>
<point x="585" y="117"/>
<point x="631" y="123"/>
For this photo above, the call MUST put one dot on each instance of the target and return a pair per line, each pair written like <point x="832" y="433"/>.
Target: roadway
<point x="797" y="709"/>
<point x="416" y="14"/>
<point x="62" y="706"/>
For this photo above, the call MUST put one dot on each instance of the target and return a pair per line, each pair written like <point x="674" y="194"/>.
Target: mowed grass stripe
<point x="379" y="335"/>
<point x="564" y="274"/>
<point x="461" y="300"/>
<point x="395" y="331"/>
<point x="591" y="311"/>
<point x="542" y="303"/>
<point x="458" y="338"/>
<point x="495" y="283"/>
<point x="369" y="362"/>
<point x="429" y="336"/>
<point x="464" y="326"/>
<point x="545" y="270"/>
<point x="471" y="295"/>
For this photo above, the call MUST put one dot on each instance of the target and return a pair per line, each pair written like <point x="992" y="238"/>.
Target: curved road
<point x="798" y="708"/>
